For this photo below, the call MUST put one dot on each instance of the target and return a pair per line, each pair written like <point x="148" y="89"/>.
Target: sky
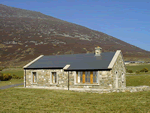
<point x="127" y="20"/>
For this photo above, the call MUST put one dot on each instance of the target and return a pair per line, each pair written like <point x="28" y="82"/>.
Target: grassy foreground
<point x="11" y="82"/>
<point x="41" y="100"/>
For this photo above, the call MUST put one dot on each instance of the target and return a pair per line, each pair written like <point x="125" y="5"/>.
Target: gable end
<point x="114" y="59"/>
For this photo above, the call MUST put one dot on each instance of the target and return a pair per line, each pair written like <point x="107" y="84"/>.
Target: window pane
<point x="95" y="76"/>
<point x="54" y="77"/>
<point x="34" y="77"/>
<point x="81" y="77"/>
<point x="88" y="74"/>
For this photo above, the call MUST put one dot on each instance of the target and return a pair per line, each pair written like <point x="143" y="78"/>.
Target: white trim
<point x="33" y="61"/>
<point x="78" y="77"/>
<point x="75" y="74"/>
<point x="123" y="62"/>
<point x="114" y="59"/>
<point x="67" y="66"/>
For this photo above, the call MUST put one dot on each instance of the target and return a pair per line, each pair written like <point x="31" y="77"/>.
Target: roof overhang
<point x="66" y="67"/>
<point x="114" y="59"/>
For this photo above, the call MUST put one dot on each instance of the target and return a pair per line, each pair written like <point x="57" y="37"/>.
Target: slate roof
<point x="76" y="61"/>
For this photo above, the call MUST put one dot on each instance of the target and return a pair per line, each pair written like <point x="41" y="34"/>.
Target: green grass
<point x="11" y="82"/>
<point x="138" y="80"/>
<point x="138" y="67"/>
<point x="42" y="100"/>
<point x="17" y="71"/>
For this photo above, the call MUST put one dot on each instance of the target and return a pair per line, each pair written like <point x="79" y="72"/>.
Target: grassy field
<point x="16" y="71"/>
<point x="138" y="80"/>
<point x="139" y="67"/>
<point x="41" y="100"/>
<point x="11" y="82"/>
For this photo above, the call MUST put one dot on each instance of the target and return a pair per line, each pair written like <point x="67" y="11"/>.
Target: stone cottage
<point x="99" y="70"/>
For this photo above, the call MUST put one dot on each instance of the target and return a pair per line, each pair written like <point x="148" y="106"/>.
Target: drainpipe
<point x="68" y="80"/>
<point x="25" y="78"/>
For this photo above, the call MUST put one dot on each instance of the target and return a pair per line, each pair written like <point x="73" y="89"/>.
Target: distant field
<point x="138" y="80"/>
<point x="16" y="71"/>
<point x="135" y="68"/>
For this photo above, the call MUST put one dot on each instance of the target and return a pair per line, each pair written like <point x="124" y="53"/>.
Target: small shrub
<point x="144" y="70"/>
<point x="137" y="72"/>
<point x="5" y="77"/>
<point x="1" y="76"/>
<point x="16" y="77"/>
<point x="129" y="71"/>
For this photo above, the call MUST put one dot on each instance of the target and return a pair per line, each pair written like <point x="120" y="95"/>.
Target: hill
<point x="26" y="34"/>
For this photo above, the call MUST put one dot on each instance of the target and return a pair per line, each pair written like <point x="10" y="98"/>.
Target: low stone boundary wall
<point x="90" y="90"/>
<point x="127" y="89"/>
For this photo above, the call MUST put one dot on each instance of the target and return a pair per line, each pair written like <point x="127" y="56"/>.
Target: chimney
<point x="98" y="51"/>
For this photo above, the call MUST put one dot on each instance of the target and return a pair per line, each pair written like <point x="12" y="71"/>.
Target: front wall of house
<point x="44" y="78"/>
<point x="106" y="79"/>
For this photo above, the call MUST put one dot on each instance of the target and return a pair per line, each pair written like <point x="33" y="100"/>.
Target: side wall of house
<point x="119" y="73"/>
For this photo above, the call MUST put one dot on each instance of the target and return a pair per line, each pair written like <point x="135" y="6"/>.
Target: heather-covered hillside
<point x="26" y="34"/>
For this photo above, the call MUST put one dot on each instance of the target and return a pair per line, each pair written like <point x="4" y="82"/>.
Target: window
<point x="34" y="77"/>
<point x="94" y="76"/>
<point x="86" y="77"/>
<point x="54" y="77"/>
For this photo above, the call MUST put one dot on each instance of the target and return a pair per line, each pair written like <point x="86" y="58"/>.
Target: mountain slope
<point x="26" y="34"/>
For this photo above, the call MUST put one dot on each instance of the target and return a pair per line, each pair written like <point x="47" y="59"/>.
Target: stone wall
<point x="44" y="78"/>
<point x="119" y="67"/>
<point x="100" y="91"/>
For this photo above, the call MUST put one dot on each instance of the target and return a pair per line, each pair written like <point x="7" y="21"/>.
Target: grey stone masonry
<point x="100" y="91"/>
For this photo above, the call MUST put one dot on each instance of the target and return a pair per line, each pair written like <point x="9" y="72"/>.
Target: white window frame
<point x="51" y="82"/>
<point x="32" y="77"/>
